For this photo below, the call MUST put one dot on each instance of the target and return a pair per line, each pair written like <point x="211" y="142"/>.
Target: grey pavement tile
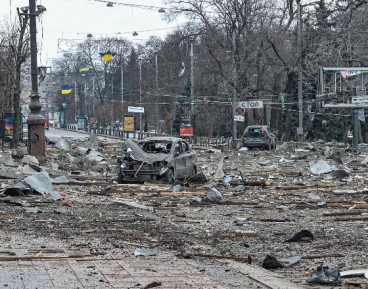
<point x="11" y="279"/>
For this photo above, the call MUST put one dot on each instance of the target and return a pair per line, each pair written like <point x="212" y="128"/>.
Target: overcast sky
<point x="66" y="21"/>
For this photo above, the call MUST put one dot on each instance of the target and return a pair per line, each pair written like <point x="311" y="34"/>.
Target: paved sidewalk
<point x="163" y="271"/>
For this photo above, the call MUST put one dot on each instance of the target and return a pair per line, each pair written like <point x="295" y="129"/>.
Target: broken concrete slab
<point x="28" y="159"/>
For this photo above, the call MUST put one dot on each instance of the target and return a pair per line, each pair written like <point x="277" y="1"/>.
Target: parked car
<point x="157" y="158"/>
<point x="258" y="136"/>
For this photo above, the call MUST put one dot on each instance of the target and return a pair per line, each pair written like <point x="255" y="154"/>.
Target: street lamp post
<point x="300" y="74"/>
<point x="156" y="96"/>
<point x="36" y="122"/>
<point x="140" y="94"/>
<point x="122" y="92"/>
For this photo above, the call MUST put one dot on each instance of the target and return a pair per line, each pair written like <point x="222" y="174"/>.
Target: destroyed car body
<point x="157" y="158"/>
<point x="258" y="136"/>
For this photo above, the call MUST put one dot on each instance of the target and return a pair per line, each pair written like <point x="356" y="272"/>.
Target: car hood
<point x="138" y="154"/>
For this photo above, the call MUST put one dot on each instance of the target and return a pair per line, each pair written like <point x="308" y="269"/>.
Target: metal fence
<point x="220" y="143"/>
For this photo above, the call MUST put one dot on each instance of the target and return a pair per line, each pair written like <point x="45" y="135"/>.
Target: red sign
<point x="186" y="131"/>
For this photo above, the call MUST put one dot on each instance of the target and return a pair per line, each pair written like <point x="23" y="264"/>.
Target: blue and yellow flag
<point x="107" y="56"/>
<point x="66" y="89"/>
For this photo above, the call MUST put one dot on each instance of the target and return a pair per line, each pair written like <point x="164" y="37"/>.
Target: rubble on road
<point x="309" y="202"/>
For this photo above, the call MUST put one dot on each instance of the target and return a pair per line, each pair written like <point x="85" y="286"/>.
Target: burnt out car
<point x="258" y="136"/>
<point x="157" y="158"/>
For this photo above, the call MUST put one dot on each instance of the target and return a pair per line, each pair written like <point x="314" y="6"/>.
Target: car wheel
<point x="169" y="176"/>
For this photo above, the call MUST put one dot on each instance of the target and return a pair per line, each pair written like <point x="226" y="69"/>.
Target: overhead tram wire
<point x="147" y="7"/>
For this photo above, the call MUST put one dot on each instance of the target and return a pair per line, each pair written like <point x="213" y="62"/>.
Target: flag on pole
<point x="84" y="69"/>
<point x="66" y="89"/>
<point x="107" y="56"/>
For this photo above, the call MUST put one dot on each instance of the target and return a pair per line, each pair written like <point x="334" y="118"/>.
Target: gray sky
<point x="68" y="21"/>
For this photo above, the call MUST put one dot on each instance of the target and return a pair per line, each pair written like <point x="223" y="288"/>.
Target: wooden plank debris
<point x="39" y="256"/>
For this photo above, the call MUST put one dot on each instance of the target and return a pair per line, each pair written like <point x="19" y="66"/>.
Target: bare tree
<point x="16" y="42"/>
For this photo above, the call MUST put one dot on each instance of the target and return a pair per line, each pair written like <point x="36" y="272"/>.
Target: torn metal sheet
<point x="41" y="183"/>
<point x="219" y="175"/>
<point x="28" y="170"/>
<point x="355" y="273"/>
<point x="318" y="167"/>
<point x="94" y="155"/>
<point x="63" y="144"/>
<point x="17" y="189"/>
<point x="213" y="196"/>
<point x="138" y="154"/>
<point x="92" y="140"/>
<point x="6" y="159"/>
<point x="8" y="175"/>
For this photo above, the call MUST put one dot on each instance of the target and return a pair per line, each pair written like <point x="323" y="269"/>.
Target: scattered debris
<point x="213" y="195"/>
<point x="325" y="275"/>
<point x="270" y="262"/>
<point x="42" y="184"/>
<point x="355" y="273"/>
<point x="301" y="236"/>
<point x="144" y="252"/>
<point x="320" y="167"/>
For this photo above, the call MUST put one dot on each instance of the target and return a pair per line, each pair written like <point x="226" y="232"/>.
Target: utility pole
<point x="192" y="113"/>
<point x="36" y="122"/>
<point x="235" y="127"/>
<point x="300" y="73"/>
<point x="122" y="93"/>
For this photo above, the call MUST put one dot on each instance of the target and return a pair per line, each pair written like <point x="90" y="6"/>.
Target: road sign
<point x="239" y="117"/>
<point x="251" y="104"/>
<point x="359" y="99"/>
<point x="136" y="109"/>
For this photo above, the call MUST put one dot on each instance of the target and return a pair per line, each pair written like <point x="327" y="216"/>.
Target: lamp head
<point x="110" y="4"/>
<point x="40" y="9"/>
<point x="24" y="9"/>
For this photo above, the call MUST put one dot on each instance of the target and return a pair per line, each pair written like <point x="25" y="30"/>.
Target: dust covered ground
<point x="264" y="198"/>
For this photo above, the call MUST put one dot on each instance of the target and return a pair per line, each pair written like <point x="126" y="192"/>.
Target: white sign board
<point x="359" y="99"/>
<point x="239" y="117"/>
<point x="136" y="109"/>
<point x="251" y="104"/>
